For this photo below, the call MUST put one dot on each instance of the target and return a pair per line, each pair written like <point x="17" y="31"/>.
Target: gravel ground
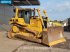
<point x="18" y="45"/>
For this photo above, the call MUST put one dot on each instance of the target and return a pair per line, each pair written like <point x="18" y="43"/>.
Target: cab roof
<point x="25" y="2"/>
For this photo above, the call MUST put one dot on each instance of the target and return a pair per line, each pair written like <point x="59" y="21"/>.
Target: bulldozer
<point x="29" y="24"/>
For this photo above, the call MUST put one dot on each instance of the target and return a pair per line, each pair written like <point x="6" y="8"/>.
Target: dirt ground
<point x="18" y="45"/>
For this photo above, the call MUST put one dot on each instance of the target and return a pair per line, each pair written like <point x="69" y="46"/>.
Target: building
<point x="6" y="8"/>
<point x="6" y="12"/>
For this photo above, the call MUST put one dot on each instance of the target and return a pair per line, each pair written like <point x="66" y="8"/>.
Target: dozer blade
<point x="53" y="36"/>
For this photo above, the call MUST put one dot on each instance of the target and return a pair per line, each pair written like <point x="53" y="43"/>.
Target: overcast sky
<point x="56" y="9"/>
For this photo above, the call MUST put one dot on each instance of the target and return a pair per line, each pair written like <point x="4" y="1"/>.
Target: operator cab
<point x="30" y="13"/>
<point x="26" y="14"/>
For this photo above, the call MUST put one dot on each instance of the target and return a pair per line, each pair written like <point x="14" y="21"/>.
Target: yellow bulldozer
<point x="29" y="24"/>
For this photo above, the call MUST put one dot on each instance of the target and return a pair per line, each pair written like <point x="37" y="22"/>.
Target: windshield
<point x="26" y="14"/>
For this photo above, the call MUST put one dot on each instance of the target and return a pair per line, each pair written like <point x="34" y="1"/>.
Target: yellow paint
<point x="57" y="24"/>
<point x="35" y="25"/>
<point x="57" y="41"/>
<point x="20" y="21"/>
<point x="25" y="34"/>
<point x="15" y="29"/>
<point x="45" y="13"/>
<point x="16" y="16"/>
